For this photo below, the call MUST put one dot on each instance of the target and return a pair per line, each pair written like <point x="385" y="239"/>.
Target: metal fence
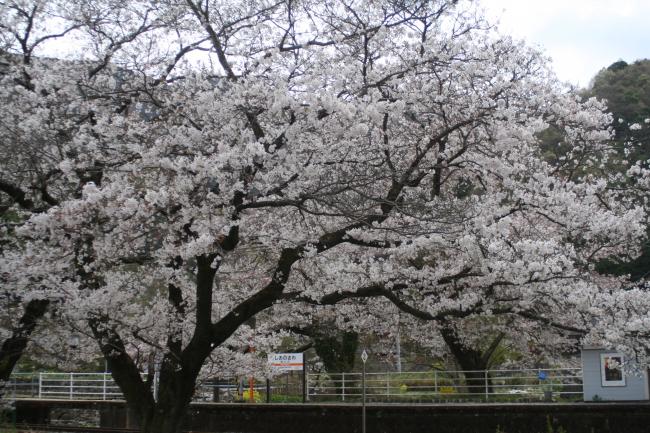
<point x="100" y="386"/>
<point x="73" y="386"/>
<point x="412" y="387"/>
<point x="433" y="386"/>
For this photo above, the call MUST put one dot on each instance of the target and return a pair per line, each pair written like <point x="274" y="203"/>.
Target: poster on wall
<point x="611" y="369"/>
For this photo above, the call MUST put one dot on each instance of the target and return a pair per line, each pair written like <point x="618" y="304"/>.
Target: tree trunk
<point x="473" y="362"/>
<point x="337" y="353"/>
<point x="165" y="420"/>
<point x="14" y="346"/>
<point x="476" y="382"/>
<point x="168" y="413"/>
<point x="180" y="366"/>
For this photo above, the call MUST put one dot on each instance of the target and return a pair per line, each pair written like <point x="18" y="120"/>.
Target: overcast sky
<point x="582" y="36"/>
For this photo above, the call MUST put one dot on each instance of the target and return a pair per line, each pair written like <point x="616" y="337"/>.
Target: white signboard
<point x="285" y="361"/>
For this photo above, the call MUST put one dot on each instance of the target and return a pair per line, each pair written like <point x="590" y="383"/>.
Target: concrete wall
<point x="636" y="384"/>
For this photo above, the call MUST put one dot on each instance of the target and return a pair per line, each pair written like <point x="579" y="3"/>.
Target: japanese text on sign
<point x="285" y="361"/>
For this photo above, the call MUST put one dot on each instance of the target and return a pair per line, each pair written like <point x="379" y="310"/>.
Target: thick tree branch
<point x="123" y="369"/>
<point x="14" y="346"/>
<point x="17" y="194"/>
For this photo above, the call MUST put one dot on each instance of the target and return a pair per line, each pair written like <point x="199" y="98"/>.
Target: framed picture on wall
<point x="611" y="369"/>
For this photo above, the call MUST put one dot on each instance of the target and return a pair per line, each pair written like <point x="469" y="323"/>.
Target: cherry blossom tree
<point x="215" y="160"/>
<point x="36" y="128"/>
<point x="624" y="315"/>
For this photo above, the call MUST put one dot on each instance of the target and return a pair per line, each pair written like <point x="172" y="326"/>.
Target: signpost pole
<point x="251" y="380"/>
<point x="251" y="389"/>
<point x="363" y="401"/>
<point x="268" y="390"/>
<point x="304" y="383"/>
<point x="364" y="358"/>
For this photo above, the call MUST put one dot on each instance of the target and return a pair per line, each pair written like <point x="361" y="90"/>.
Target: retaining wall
<point x="632" y="417"/>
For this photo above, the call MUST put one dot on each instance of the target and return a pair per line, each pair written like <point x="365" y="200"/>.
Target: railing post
<point x="342" y="386"/>
<point x="104" y="387"/>
<point x="40" y="385"/>
<point x="388" y="385"/>
<point x="156" y="378"/>
<point x="71" y="384"/>
<point x="363" y="397"/>
<point x="435" y="382"/>
<point x="487" y="394"/>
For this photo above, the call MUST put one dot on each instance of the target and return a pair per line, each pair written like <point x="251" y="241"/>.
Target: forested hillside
<point x="626" y="87"/>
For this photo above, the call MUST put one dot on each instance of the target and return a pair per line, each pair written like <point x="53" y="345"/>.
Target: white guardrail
<point x="101" y="386"/>
<point x="73" y="386"/>
<point x="479" y="385"/>
<point x="429" y="386"/>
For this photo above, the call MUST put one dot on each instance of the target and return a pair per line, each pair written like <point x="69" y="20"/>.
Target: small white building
<point x="608" y="375"/>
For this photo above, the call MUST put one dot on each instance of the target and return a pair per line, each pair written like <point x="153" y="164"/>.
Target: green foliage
<point x="552" y="144"/>
<point x="337" y="351"/>
<point x="9" y="215"/>
<point x="551" y="429"/>
<point x="626" y="87"/>
<point x="284" y="398"/>
<point x="617" y="66"/>
<point x="637" y="268"/>
<point x="246" y="396"/>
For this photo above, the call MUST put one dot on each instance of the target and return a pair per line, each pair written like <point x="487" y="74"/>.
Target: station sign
<point x="285" y="361"/>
